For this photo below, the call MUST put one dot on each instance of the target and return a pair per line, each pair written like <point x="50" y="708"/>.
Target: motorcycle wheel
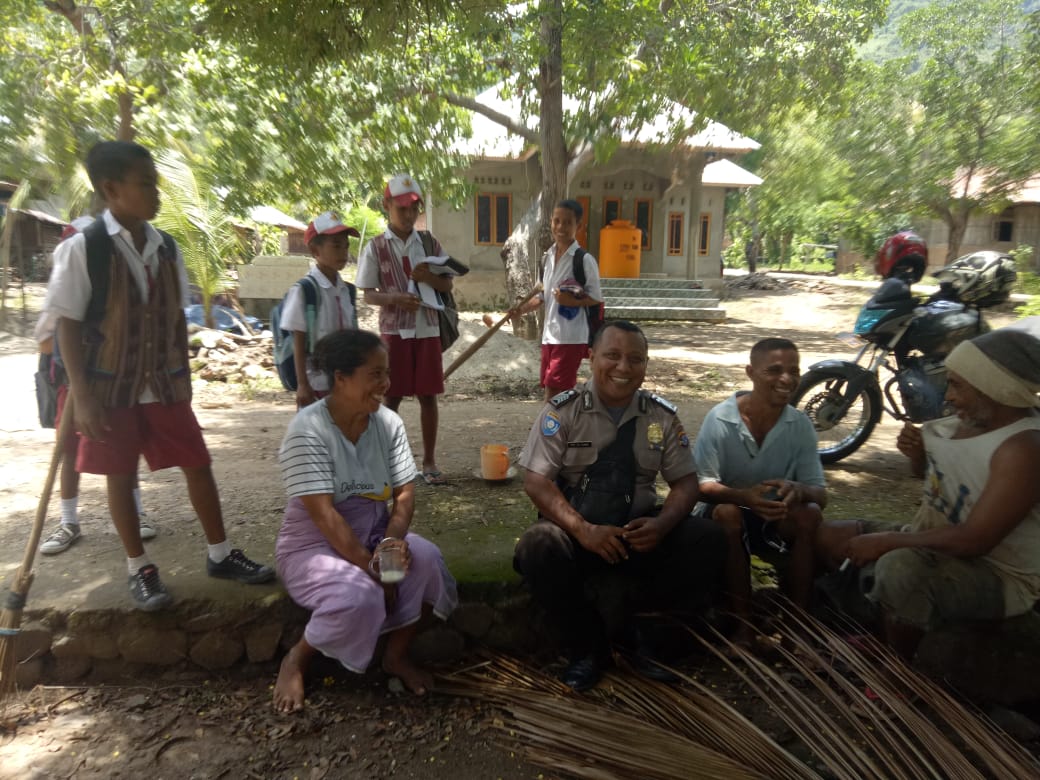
<point x="820" y="395"/>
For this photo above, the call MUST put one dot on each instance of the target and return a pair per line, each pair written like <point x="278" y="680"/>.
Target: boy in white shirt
<point x="329" y="241"/>
<point x="565" y="334"/>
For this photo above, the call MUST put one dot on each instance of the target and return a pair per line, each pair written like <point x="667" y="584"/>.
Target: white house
<point x="682" y="225"/>
<point x="1016" y="225"/>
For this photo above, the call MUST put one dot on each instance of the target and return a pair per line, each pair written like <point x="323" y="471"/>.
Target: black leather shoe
<point x="583" y="674"/>
<point x="640" y="654"/>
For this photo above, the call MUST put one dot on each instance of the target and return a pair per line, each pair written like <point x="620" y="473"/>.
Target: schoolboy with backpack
<point x="52" y="390"/>
<point x="124" y="344"/>
<point x="574" y="307"/>
<point x="319" y="304"/>
<point x="391" y="271"/>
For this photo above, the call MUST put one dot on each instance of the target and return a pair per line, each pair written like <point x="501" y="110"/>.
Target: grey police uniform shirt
<point x="567" y="437"/>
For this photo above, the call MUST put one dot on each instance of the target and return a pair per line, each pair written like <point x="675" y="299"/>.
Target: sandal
<point x="433" y="477"/>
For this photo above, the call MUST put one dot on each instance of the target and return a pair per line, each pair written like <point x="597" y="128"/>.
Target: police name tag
<point x="579" y="444"/>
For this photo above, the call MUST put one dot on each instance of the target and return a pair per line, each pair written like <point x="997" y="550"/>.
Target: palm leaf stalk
<point x="916" y="729"/>
<point x="898" y="685"/>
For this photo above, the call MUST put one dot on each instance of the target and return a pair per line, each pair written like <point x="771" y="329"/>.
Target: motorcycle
<point x="906" y="341"/>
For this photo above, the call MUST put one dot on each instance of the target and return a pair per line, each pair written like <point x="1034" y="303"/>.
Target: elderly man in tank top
<point x="973" y="549"/>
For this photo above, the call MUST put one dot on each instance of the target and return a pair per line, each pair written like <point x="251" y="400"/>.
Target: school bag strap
<point x="593" y="314"/>
<point x="100" y="247"/>
<point x="310" y="309"/>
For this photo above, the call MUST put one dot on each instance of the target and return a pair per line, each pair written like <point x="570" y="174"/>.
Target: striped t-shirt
<point x="316" y="458"/>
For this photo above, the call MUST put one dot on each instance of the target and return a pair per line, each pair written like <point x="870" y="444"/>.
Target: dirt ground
<point x="181" y="726"/>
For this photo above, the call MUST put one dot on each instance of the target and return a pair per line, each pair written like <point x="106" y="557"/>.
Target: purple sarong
<point x="348" y="610"/>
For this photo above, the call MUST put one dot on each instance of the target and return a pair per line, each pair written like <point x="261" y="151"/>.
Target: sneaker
<point x="240" y="568"/>
<point x="61" y="540"/>
<point x="147" y="530"/>
<point x="147" y="590"/>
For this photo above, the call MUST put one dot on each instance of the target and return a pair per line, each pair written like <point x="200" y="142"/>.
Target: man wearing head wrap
<point x="972" y="551"/>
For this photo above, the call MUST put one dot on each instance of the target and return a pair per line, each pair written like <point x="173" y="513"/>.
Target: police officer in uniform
<point x="591" y="460"/>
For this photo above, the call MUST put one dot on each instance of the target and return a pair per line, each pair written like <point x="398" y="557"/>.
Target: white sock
<point x="220" y="551"/>
<point x="137" y="501"/>
<point x="69" y="507"/>
<point x="134" y="565"/>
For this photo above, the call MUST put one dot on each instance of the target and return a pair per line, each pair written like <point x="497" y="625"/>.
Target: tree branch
<point x="495" y="116"/>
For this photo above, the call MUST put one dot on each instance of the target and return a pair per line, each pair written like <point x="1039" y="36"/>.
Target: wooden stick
<point x="482" y="340"/>
<point x="11" y="617"/>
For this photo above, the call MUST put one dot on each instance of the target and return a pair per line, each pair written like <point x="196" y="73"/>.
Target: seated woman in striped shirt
<point x="350" y="476"/>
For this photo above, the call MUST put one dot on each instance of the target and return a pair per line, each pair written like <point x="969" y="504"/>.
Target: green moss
<point x="476" y="526"/>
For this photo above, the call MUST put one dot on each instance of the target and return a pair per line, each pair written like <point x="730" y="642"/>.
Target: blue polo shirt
<point x="727" y="453"/>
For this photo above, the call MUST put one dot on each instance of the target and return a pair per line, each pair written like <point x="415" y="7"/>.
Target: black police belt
<point x="603" y="495"/>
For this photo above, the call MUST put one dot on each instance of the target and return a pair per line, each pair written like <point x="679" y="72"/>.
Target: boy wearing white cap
<point x="973" y="548"/>
<point x="411" y="331"/>
<point x="329" y="242"/>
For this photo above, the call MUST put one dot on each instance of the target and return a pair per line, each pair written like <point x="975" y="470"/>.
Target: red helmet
<point x="904" y="255"/>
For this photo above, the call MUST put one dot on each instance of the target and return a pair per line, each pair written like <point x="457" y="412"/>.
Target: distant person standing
<point x="565" y="333"/>
<point x="388" y="265"/>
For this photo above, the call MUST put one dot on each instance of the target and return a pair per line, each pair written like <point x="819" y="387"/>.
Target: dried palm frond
<point x="631" y="727"/>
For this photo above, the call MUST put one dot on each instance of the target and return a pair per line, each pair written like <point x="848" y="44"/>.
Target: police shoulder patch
<point x="550" y="423"/>
<point x="663" y="403"/>
<point x="562" y="399"/>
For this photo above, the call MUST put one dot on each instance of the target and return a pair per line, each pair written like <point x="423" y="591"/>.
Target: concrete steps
<point x="655" y="298"/>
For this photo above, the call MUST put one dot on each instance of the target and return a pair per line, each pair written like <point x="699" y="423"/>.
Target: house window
<point x="494" y="218"/>
<point x="611" y="210"/>
<point x="1003" y="230"/>
<point x="704" y="244"/>
<point x="645" y="219"/>
<point x="675" y="233"/>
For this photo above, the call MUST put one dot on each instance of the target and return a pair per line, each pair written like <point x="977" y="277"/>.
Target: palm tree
<point x="194" y="215"/>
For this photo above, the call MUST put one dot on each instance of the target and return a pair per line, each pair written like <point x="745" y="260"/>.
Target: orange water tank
<point x="620" y="244"/>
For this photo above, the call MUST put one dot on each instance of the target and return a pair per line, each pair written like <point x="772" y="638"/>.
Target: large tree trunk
<point x="73" y="13"/>
<point x="956" y="225"/>
<point x="532" y="235"/>
<point x="553" y="148"/>
<point x="520" y="255"/>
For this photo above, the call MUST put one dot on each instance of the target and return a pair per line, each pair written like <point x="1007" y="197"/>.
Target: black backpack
<point x="283" y="346"/>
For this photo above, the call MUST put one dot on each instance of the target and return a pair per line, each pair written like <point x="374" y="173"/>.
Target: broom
<point x="492" y="329"/>
<point x="11" y="617"/>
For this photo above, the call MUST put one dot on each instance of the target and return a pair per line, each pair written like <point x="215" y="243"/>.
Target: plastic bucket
<point x="494" y="461"/>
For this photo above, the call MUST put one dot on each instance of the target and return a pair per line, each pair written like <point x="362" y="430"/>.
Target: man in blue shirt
<point x="761" y="478"/>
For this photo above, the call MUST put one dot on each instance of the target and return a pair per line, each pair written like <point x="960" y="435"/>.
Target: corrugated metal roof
<point x="726" y="173"/>
<point x="269" y="215"/>
<point x="42" y="216"/>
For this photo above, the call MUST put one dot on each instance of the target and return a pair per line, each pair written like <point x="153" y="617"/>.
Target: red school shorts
<point x="560" y="364"/>
<point x="166" y="434"/>
<point x="416" y="366"/>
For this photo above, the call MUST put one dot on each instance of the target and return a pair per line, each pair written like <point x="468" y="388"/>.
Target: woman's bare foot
<point x="288" y="688"/>
<point x="417" y="680"/>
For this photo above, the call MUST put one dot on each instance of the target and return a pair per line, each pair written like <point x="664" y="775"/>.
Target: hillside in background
<point x="885" y="43"/>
